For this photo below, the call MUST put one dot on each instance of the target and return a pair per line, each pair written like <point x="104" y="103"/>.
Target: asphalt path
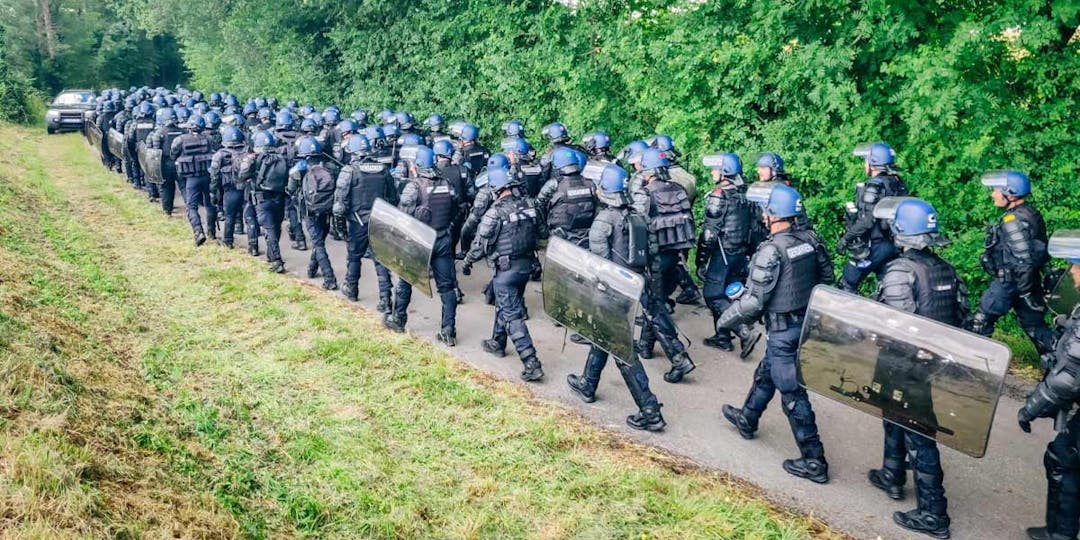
<point x="995" y="497"/>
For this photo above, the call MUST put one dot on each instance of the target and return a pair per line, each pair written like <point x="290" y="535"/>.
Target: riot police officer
<point x="566" y="203"/>
<point x="598" y="146"/>
<point x="285" y="134"/>
<point x="1056" y="397"/>
<point x="920" y="282"/>
<point x="770" y="168"/>
<point x="268" y="174"/>
<point x="359" y="183"/>
<point x="119" y="123"/>
<point x="667" y="206"/>
<point x="723" y="247"/>
<point x="471" y="153"/>
<point x="783" y="271"/>
<point x="558" y="138"/>
<point x="162" y="139"/>
<point x="225" y="181"/>
<point x="613" y="235"/>
<point x="192" y="153"/>
<point x="1014" y="257"/>
<point x="507" y="238"/>
<point x="136" y="132"/>
<point x="312" y="185"/>
<point x="429" y="197"/>
<point x="522" y="166"/>
<point x="867" y="240"/>
<point x="459" y="178"/>
<point x="435" y="125"/>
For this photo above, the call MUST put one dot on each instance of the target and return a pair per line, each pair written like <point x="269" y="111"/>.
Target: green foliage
<point x="16" y="99"/>
<point x="92" y="44"/>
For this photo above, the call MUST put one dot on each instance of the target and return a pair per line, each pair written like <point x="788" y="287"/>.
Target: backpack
<point x="272" y="174"/>
<point x="317" y="189"/>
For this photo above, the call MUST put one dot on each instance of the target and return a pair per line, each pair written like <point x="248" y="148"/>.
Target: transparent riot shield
<point x="886" y="207"/>
<point x="402" y="243"/>
<point x="593" y="169"/>
<point x="683" y="177"/>
<point x="150" y="161"/>
<point x="95" y="138"/>
<point x="1065" y="294"/>
<point x="116" y="143"/>
<point x="593" y="296"/>
<point x="922" y="375"/>
<point x="759" y="192"/>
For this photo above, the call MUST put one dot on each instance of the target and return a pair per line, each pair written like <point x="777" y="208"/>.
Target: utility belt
<point x="260" y="196"/>
<point x="504" y="263"/>
<point x="778" y="322"/>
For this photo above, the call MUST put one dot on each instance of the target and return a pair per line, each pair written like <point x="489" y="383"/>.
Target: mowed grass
<point x="152" y="389"/>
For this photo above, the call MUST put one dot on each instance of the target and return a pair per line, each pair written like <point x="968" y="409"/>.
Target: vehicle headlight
<point x="52" y="114"/>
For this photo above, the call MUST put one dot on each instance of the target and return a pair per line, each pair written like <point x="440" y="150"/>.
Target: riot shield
<point x="95" y="138"/>
<point x="402" y="243"/>
<point x="886" y="207"/>
<point x="1065" y="294"/>
<point x="922" y="375"/>
<point x="151" y="163"/>
<point x="116" y="142"/>
<point x="593" y="296"/>
<point x="683" y="177"/>
<point x="759" y="192"/>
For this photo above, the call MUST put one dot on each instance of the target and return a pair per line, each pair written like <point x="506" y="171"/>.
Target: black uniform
<point x="1014" y="257"/>
<point x="359" y="183"/>
<point x="192" y="153"/>
<point x="507" y="238"/>
<point x="723" y="250"/>
<point x="228" y="189"/>
<point x="868" y="240"/>
<point x="162" y="139"/>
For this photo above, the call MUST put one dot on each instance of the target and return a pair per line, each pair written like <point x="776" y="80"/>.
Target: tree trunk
<point x="50" y="32"/>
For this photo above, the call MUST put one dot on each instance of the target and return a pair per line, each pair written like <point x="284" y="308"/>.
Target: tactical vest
<point x="457" y="176"/>
<point x="996" y="258"/>
<point x="532" y="175"/>
<point x="196" y="156"/>
<point x="287" y="145"/>
<point x="437" y="195"/>
<point x="231" y="158"/>
<point x="671" y="215"/>
<point x="573" y="206"/>
<point x="517" y="235"/>
<point x="476" y="156"/>
<point x="798" y="272"/>
<point x="367" y="184"/>
<point x="936" y="285"/>
<point x="730" y="216"/>
<point x="168" y="135"/>
<point x="629" y="239"/>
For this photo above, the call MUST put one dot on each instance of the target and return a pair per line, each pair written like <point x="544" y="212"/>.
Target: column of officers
<point x="258" y="165"/>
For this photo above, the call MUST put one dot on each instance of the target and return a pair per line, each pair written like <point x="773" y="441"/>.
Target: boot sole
<point x="894" y="495"/>
<point x="818" y="479"/>
<point x="648" y="427"/>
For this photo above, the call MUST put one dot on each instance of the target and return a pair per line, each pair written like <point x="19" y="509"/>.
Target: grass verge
<point x="152" y="389"/>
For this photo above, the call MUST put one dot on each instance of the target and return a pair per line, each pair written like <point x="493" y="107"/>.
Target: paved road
<point x="995" y="497"/>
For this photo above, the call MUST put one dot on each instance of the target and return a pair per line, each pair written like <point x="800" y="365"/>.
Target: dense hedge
<point x="956" y="87"/>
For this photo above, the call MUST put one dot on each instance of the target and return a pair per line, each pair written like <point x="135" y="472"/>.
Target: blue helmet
<point x="469" y="132"/>
<point x="565" y="160"/>
<point x="516" y="145"/>
<point x="425" y="158"/>
<point x="316" y="117"/>
<point x="232" y="136"/>
<point x="582" y="159"/>
<point x="434" y="122"/>
<point x="331" y="116"/>
<point x="391" y="131"/>
<point x="260" y="103"/>
<point x="913" y="217"/>
<point x="411" y="138"/>
<point x="653" y="158"/>
<point x="783" y="202"/>
<point x="374" y="133"/>
<point x="308" y="126"/>
<point x="285" y="120"/>
<point x="159" y="101"/>
<point x="165" y="116"/>
<point x="264" y="139"/>
<point x="1011" y="183"/>
<point x="596" y="141"/>
<point x="613" y="179"/>
<point x="307" y="146"/>
<point x="265" y="114"/>
<point x="387" y="116"/>
<point x="347" y="126"/>
<point x="201" y="107"/>
<point x="729" y="164"/>
<point x="182" y="114"/>
<point x="250" y="109"/>
<point x="663" y="143"/>
<point x="772" y="161"/>
<point x="145" y="110"/>
<point x="631" y="150"/>
<point x="231" y="100"/>
<point x="215" y="97"/>
<point x="498" y="161"/>
<point x="443" y="148"/>
<point x="361" y="116"/>
<point x="190" y="102"/>
<point x="213" y="119"/>
<point x="880" y="156"/>
<point x="307" y="110"/>
<point x="556" y="132"/>
<point x="513" y="128"/>
<point x="498" y="179"/>
<point x="405" y="120"/>
<point x="358" y="144"/>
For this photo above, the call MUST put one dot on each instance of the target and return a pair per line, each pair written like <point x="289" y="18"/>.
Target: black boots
<point x="385" y="304"/>
<point x="738" y="419"/>
<point x="814" y="470"/>
<point x="448" y="336"/>
<point x="532" y="371"/>
<point x="493" y="348"/>
<point x="680" y="366"/>
<point x="886" y="481"/>
<point x="924" y="522"/>
<point x="647" y="419"/>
